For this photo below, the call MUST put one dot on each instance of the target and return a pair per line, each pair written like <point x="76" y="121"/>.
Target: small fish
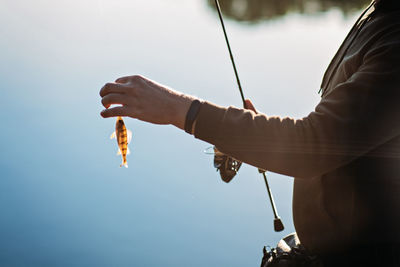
<point x="124" y="137"/>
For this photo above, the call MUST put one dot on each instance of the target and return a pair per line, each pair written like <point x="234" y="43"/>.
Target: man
<point x="345" y="156"/>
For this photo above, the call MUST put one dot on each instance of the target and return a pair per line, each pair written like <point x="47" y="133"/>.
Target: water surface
<point x="64" y="199"/>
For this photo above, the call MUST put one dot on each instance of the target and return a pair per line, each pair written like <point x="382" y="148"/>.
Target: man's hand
<point x="146" y="100"/>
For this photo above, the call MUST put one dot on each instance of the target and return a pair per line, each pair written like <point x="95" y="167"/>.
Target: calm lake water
<point x="64" y="200"/>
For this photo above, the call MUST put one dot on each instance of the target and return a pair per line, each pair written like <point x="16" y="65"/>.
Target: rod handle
<point x="278" y="225"/>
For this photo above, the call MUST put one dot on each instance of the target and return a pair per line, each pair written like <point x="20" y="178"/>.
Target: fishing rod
<point x="230" y="52"/>
<point x="232" y="163"/>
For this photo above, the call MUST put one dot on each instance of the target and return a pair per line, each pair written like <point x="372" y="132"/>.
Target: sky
<point x="64" y="200"/>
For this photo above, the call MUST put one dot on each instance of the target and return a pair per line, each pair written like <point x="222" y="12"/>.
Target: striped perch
<point x="124" y="137"/>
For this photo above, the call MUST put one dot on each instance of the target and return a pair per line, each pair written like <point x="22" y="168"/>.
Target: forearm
<point x="280" y="145"/>
<point x="303" y="148"/>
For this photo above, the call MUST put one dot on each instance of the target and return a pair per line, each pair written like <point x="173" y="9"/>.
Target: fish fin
<point x="119" y="152"/>
<point x="113" y="135"/>
<point x="124" y="164"/>
<point x="128" y="152"/>
<point x="129" y="133"/>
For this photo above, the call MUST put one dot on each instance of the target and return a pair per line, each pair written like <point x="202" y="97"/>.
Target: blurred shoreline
<point x="255" y="11"/>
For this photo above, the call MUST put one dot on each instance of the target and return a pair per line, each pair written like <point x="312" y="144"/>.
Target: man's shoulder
<point x="382" y="25"/>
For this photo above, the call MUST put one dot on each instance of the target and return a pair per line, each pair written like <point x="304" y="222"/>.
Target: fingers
<point x="114" y="98"/>
<point x="130" y="79"/>
<point x="122" y="92"/>
<point x="112" y="88"/>
<point x="123" y="79"/>
<point x="249" y="105"/>
<point x="114" y="112"/>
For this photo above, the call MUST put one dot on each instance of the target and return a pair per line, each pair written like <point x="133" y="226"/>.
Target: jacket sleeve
<point x="351" y="121"/>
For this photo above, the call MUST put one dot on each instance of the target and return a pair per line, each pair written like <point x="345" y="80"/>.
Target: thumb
<point x="249" y="105"/>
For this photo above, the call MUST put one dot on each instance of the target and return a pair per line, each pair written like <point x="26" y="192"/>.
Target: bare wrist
<point x="181" y="108"/>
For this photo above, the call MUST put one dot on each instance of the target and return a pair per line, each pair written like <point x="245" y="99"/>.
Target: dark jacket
<point x="345" y="155"/>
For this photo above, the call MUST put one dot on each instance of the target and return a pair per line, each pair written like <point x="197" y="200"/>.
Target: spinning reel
<point x="227" y="166"/>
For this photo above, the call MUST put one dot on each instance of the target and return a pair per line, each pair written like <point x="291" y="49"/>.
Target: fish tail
<point x="124" y="164"/>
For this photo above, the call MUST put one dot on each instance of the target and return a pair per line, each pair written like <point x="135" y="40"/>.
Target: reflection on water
<point x="258" y="10"/>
